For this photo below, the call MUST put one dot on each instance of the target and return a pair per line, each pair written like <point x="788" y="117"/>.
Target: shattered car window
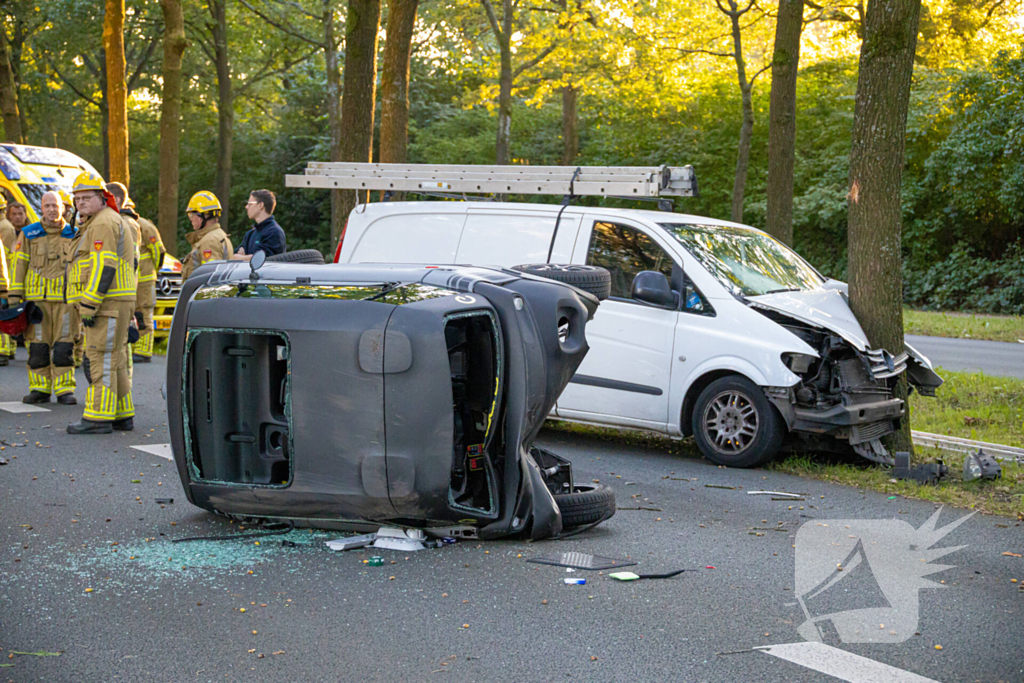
<point x="747" y="262"/>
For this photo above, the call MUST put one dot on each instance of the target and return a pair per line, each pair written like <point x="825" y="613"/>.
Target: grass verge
<point x="968" y="405"/>
<point x="1005" y="328"/>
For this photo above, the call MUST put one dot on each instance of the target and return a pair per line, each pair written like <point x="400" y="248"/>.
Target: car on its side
<point x="713" y="328"/>
<point x="358" y="396"/>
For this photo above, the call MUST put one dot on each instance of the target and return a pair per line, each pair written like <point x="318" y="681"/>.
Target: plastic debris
<point x="376" y="561"/>
<point x="575" y="582"/>
<point x="352" y="542"/>
<point x="397" y="539"/>
<point x="630" y="576"/>
<point x="776" y="493"/>
<point x="927" y="473"/>
<point x="582" y="561"/>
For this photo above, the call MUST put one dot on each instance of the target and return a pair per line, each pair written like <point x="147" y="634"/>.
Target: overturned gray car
<point x="350" y="397"/>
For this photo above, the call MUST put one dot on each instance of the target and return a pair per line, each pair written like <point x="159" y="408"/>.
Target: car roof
<point x="384" y="208"/>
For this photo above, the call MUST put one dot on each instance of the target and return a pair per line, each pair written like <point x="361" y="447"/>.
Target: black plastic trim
<point x="589" y="381"/>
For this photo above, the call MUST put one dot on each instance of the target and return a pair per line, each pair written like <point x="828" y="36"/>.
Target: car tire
<point x="299" y="256"/>
<point x="735" y="425"/>
<point x="587" y="504"/>
<point x="592" y="279"/>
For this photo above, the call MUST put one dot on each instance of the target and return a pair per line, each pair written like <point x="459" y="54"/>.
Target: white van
<point x="731" y="336"/>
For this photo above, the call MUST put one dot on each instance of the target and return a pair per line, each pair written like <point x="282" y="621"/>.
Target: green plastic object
<point x="625" y="576"/>
<point x="376" y="561"/>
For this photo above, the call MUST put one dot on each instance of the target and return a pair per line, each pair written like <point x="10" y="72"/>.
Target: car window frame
<point x="677" y="278"/>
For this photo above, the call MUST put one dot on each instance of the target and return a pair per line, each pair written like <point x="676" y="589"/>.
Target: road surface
<point x="999" y="359"/>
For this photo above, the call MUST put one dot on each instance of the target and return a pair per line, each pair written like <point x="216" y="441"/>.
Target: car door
<point x="626" y="376"/>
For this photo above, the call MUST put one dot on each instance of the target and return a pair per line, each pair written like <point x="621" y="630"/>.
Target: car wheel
<point x="587" y="504"/>
<point x="592" y="279"/>
<point x="735" y="425"/>
<point x="299" y="256"/>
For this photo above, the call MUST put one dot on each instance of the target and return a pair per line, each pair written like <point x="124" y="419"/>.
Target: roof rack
<point x="611" y="181"/>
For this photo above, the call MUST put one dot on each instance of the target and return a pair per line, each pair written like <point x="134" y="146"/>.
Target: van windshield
<point x="34" y="194"/>
<point x="747" y="262"/>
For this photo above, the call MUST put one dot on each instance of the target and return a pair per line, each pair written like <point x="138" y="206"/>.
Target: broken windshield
<point x="747" y="262"/>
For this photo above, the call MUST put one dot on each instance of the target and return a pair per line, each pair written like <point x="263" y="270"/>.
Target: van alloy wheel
<point x="731" y="422"/>
<point x="734" y="424"/>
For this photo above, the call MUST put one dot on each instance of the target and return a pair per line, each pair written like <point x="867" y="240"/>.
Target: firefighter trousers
<point x="51" y="349"/>
<point x="144" y="304"/>
<point x="109" y="396"/>
<point x="6" y="345"/>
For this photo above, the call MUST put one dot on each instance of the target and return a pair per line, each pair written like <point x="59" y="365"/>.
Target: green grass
<point x="968" y="405"/>
<point x="1005" y="328"/>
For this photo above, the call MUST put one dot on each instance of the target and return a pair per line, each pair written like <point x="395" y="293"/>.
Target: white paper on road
<point x="161" y="450"/>
<point x="841" y="664"/>
<point x="19" y="407"/>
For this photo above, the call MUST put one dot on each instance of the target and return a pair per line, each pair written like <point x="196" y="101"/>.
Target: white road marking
<point x="843" y="665"/>
<point x="161" y="450"/>
<point x="19" y="407"/>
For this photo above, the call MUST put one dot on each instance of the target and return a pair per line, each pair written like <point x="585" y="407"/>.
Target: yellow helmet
<point x="88" y="180"/>
<point x="3" y="201"/>
<point x="65" y="198"/>
<point x="203" y="202"/>
<point x="129" y="204"/>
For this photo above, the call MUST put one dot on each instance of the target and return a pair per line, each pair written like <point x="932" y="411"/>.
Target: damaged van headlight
<point x="981" y="465"/>
<point x="798" y="363"/>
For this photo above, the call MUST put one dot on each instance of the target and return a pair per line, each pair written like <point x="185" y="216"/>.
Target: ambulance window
<point x="624" y="252"/>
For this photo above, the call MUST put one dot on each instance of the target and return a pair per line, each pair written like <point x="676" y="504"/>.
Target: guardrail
<point x="953" y="443"/>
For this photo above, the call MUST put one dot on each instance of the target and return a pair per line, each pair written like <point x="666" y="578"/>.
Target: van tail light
<point x="341" y="240"/>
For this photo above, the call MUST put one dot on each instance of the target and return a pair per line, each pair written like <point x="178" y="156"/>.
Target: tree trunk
<point x="8" y="93"/>
<point x="876" y="176"/>
<point x="361" y="29"/>
<point x="394" y="85"/>
<point x="333" y="107"/>
<point x="225" y="108"/>
<point x="782" y="120"/>
<point x="17" y="49"/>
<point x="104" y="114"/>
<point x="503" y="144"/>
<point x="113" y="45"/>
<point x="170" y="122"/>
<point x="746" y="129"/>
<point x="570" y="130"/>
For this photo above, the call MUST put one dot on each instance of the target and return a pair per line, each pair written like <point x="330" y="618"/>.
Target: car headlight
<point x="799" y="363"/>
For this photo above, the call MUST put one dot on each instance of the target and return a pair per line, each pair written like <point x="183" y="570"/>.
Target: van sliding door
<point x="515" y="237"/>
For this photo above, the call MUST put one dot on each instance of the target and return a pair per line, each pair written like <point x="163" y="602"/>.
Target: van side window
<point x="624" y="252"/>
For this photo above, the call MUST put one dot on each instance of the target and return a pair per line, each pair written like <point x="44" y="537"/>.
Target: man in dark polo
<point x="266" y="236"/>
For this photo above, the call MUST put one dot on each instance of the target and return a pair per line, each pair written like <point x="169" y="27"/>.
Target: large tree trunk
<point x="570" y="129"/>
<point x="333" y="106"/>
<point x="104" y="114"/>
<point x="503" y="144"/>
<point x="8" y="93"/>
<point x="361" y="28"/>
<point x="876" y="176"/>
<point x="170" y="122"/>
<point x="746" y="129"/>
<point x="17" y="49"/>
<point x="782" y="120"/>
<point x="225" y="108"/>
<point x="394" y="85"/>
<point x="117" y="97"/>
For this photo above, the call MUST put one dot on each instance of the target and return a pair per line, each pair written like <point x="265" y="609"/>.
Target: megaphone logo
<point x="858" y="579"/>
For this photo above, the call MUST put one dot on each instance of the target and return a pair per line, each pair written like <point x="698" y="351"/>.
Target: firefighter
<point x="7" y="238"/>
<point x="70" y="217"/>
<point x="209" y="242"/>
<point x="69" y="206"/>
<point x="151" y="259"/>
<point x="38" y="276"/>
<point x="101" y="285"/>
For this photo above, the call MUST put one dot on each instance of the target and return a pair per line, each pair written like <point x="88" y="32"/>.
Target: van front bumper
<point x="859" y="423"/>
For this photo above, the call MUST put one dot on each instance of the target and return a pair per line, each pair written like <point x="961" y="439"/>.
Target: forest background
<point x="595" y="83"/>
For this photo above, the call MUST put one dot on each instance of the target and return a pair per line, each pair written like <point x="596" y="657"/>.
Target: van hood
<point x="821" y="307"/>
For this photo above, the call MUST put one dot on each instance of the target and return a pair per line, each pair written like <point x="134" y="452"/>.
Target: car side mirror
<point x="255" y="263"/>
<point x="651" y="287"/>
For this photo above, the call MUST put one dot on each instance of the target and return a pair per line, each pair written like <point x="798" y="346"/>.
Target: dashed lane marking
<point x="161" y="450"/>
<point x="840" y="664"/>
<point x="19" y="407"/>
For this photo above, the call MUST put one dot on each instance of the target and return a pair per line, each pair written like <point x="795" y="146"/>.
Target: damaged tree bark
<point x="117" y="95"/>
<point x="876" y="176"/>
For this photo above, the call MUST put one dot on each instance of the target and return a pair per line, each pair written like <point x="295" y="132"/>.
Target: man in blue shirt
<point x="266" y="236"/>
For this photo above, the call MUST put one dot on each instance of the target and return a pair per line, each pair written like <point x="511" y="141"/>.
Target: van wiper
<point x="784" y="289"/>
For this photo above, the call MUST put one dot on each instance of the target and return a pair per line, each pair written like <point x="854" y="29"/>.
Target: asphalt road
<point x="999" y="359"/>
<point x="87" y="569"/>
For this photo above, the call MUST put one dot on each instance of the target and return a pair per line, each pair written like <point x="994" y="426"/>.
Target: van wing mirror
<point x="651" y="287"/>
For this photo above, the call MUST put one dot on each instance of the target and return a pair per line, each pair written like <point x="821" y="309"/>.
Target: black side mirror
<point x="255" y="263"/>
<point x="651" y="287"/>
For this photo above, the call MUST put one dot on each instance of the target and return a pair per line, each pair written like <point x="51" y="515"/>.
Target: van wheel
<point x="735" y="425"/>
<point x="299" y="256"/>
<point x="592" y="279"/>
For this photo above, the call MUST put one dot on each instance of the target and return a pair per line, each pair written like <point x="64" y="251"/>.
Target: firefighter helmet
<point x="65" y="198"/>
<point x="3" y="201"/>
<point x="204" y="203"/>
<point x="87" y="180"/>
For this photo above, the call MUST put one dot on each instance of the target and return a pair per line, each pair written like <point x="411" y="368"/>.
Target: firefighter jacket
<point x="4" y="278"/>
<point x="132" y="219"/>
<point x="152" y="251"/>
<point x="40" y="257"/>
<point x="102" y="267"/>
<point x="208" y="244"/>
<point x="7" y="234"/>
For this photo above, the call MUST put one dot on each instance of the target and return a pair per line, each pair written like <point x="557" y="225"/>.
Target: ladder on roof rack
<point x="610" y="181"/>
